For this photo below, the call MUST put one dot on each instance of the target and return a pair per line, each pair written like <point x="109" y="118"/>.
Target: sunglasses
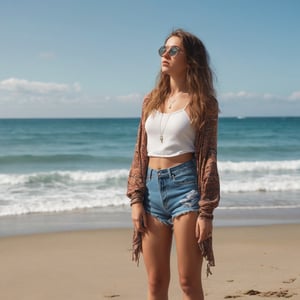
<point x="172" y="51"/>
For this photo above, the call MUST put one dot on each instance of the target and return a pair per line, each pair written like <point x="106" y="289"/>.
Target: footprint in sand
<point x="289" y="281"/>
<point x="279" y="294"/>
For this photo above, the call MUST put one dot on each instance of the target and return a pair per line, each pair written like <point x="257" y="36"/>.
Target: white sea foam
<point x="268" y="183"/>
<point x="259" y="207"/>
<point x="61" y="191"/>
<point x="259" y="166"/>
<point x="70" y="190"/>
<point x="260" y="176"/>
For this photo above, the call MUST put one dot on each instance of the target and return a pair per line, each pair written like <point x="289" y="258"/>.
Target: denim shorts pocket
<point x="185" y="178"/>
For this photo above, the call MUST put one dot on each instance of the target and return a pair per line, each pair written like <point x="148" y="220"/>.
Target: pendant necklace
<point x="171" y="102"/>
<point x="162" y="130"/>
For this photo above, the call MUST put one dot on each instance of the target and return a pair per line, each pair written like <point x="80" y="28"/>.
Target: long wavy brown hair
<point x="199" y="81"/>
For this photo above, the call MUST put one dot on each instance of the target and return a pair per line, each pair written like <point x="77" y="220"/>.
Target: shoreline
<point x="121" y="218"/>
<point x="96" y="264"/>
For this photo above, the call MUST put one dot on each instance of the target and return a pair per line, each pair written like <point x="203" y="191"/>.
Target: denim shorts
<point x="172" y="192"/>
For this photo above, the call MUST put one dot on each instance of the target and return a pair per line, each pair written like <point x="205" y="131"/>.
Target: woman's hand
<point x="203" y="229"/>
<point x="139" y="218"/>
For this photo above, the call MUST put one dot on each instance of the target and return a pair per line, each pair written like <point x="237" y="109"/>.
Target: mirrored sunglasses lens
<point x="162" y="50"/>
<point x="173" y="51"/>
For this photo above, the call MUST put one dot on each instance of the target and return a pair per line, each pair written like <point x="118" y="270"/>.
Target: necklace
<point x="171" y="102"/>
<point x="162" y="130"/>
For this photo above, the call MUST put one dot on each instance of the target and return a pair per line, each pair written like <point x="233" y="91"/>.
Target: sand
<point x="251" y="263"/>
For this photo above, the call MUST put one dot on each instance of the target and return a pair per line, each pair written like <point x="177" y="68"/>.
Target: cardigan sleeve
<point x="209" y="183"/>
<point x="137" y="174"/>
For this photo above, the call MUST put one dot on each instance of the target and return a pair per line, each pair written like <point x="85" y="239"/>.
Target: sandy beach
<point x="251" y="263"/>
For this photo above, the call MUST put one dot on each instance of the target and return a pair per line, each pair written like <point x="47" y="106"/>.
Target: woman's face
<point x="174" y="65"/>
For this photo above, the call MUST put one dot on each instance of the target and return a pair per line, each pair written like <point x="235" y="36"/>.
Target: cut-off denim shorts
<point x="172" y="192"/>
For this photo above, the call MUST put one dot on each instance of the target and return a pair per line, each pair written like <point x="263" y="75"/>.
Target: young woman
<point x="173" y="183"/>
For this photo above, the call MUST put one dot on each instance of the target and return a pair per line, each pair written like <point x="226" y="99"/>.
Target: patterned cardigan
<point x="208" y="178"/>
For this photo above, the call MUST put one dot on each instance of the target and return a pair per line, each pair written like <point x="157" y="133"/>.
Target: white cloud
<point x="245" y="96"/>
<point x="237" y="95"/>
<point x="24" y="98"/>
<point x="295" y="96"/>
<point x="131" y="98"/>
<point x="244" y="103"/>
<point x="36" y="87"/>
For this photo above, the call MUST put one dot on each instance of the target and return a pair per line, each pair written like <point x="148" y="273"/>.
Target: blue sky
<point x="95" y="58"/>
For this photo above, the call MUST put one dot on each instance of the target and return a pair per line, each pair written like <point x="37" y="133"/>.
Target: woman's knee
<point x="190" y="285"/>
<point x="158" y="284"/>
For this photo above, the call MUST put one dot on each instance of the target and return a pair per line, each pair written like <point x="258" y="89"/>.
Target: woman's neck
<point x="177" y="86"/>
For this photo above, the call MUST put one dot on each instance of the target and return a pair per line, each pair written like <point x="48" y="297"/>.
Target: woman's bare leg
<point x="156" y="253"/>
<point x="189" y="257"/>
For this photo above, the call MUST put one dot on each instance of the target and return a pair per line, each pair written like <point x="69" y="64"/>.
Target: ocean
<point x="80" y="166"/>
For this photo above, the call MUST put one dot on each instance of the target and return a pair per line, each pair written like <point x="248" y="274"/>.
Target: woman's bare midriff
<point x="159" y="163"/>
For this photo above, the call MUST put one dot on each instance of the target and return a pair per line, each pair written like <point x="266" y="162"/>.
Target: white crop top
<point x="169" y="134"/>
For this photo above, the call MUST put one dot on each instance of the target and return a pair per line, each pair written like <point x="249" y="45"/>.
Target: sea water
<point x="65" y="165"/>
